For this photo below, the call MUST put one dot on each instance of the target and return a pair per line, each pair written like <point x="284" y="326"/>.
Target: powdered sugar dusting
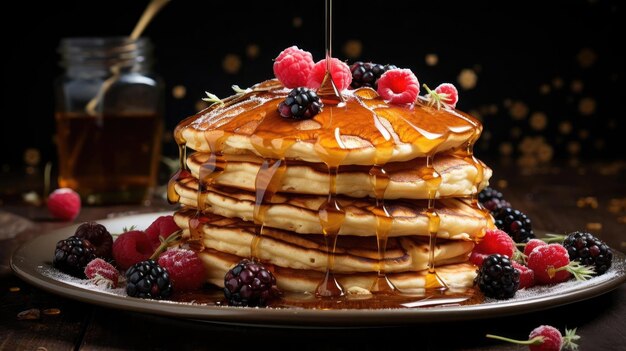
<point x="120" y="291"/>
<point x="57" y="275"/>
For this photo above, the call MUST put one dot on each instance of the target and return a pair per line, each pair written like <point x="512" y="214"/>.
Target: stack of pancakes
<point x="258" y="184"/>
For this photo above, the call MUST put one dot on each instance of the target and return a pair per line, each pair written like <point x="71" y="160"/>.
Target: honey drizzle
<point x="433" y="180"/>
<point x="330" y="149"/>
<point x="180" y="174"/>
<point x="267" y="183"/>
<point x="466" y="153"/>
<point x="331" y="213"/>
<point x="183" y="171"/>
<point x="328" y="91"/>
<point x="380" y="181"/>
<point x="422" y="127"/>
<point x="208" y="173"/>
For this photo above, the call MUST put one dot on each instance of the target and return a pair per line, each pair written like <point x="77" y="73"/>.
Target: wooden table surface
<point x="556" y="199"/>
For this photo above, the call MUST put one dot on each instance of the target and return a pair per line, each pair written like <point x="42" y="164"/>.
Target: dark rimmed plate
<point x="33" y="259"/>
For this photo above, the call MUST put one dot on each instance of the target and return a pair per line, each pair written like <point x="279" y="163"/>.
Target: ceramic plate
<point x="32" y="262"/>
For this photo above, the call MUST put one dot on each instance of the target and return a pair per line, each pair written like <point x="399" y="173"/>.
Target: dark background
<point x="549" y="77"/>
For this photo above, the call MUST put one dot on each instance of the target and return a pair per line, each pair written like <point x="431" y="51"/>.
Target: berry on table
<point x="101" y="272"/>
<point x="72" y="255"/>
<point x="366" y="74"/>
<point x="551" y="264"/>
<point x="293" y="67"/>
<point x="589" y="251"/>
<point x="184" y="267"/>
<point x="161" y="228"/>
<point x="250" y="284"/>
<point x="148" y="280"/>
<point x="545" y="338"/>
<point x="64" y="204"/>
<point x="398" y="86"/>
<point x="130" y="248"/>
<point x="339" y="70"/>
<point x="301" y="103"/>
<point x="515" y="223"/>
<point x="497" y="278"/>
<point x="494" y="241"/>
<point x="98" y="236"/>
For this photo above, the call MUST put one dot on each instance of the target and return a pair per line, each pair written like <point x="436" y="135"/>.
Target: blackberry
<point x="589" y="251"/>
<point x="494" y="205"/>
<point x="497" y="278"/>
<point x="98" y="236"/>
<point x="148" y="280"/>
<point x="72" y="255"/>
<point x="250" y="284"/>
<point x="492" y="199"/>
<point x="301" y="103"/>
<point x="515" y="223"/>
<point x="489" y="193"/>
<point x="366" y="74"/>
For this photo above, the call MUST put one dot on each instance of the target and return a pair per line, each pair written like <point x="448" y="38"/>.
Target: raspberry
<point x="526" y="276"/>
<point x="98" y="236"/>
<point x="130" y="248"/>
<point x="64" y="204"/>
<point x="551" y="265"/>
<point x="589" y="250"/>
<point x="101" y="272"/>
<point x="249" y="283"/>
<point x="545" y="338"/>
<point x="398" y="86"/>
<point x="185" y="268"/>
<point x="532" y="244"/>
<point x="72" y="255"/>
<point x="148" y="280"/>
<point x="494" y="241"/>
<point x="339" y="71"/>
<point x="366" y="74"/>
<point x="301" y="103"/>
<point x="497" y="278"/>
<point x="293" y="66"/>
<point x="445" y="95"/>
<point x="448" y="94"/>
<point x="161" y="227"/>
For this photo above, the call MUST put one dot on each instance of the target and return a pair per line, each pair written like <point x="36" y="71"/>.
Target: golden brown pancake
<point x="365" y="130"/>
<point x="458" y="177"/>
<point x="460" y="275"/>
<point x="308" y="252"/>
<point x="299" y="213"/>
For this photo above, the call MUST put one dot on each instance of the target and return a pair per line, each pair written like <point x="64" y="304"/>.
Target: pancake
<point x="365" y="130"/>
<point x="459" y="275"/>
<point x="458" y="219"/>
<point x="458" y="177"/>
<point x="307" y="252"/>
